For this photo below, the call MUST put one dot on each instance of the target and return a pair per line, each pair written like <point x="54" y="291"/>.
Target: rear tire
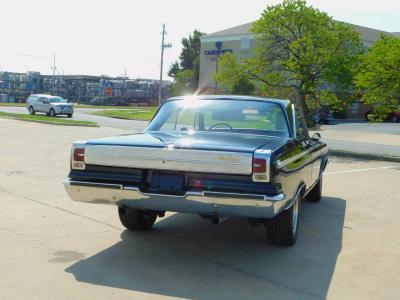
<point x="283" y="229"/>
<point x="315" y="194"/>
<point x="135" y="219"/>
<point x="31" y="111"/>
<point x="69" y="115"/>
<point x="52" y="113"/>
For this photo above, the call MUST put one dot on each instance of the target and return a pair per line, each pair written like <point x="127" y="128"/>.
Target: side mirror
<point x="316" y="136"/>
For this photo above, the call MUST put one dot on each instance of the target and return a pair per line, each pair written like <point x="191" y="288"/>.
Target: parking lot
<point x="53" y="248"/>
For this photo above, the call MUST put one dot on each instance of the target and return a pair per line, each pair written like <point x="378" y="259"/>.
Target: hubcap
<point x="295" y="214"/>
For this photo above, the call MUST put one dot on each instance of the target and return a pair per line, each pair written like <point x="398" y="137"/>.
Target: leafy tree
<point x="182" y="83"/>
<point x="243" y="87"/>
<point x="189" y="59"/>
<point x="173" y="69"/>
<point x="299" y="49"/>
<point x="379" y="76"/>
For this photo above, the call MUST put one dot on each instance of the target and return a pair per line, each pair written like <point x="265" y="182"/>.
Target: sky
<point x="96" y="37"/>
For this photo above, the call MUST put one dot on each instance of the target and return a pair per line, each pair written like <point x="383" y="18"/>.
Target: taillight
<point x="79" y="154"/>
<point x="261" y="165"/>
<point x="78" y="157"/>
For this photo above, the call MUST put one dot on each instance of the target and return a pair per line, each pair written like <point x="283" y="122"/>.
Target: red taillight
<point x="259" y="165"/>
<point x="79" y="154"/>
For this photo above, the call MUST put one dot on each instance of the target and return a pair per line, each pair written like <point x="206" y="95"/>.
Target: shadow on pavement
<point x="186" y="256"/>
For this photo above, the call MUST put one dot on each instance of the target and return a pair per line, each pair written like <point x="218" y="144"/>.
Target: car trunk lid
<point x="199" y="152"/>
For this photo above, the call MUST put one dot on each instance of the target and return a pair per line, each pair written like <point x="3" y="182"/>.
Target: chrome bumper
<point x="203" y="203"/>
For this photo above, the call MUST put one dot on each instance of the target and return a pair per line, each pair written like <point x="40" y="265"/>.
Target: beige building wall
<point x="241" y="46"/>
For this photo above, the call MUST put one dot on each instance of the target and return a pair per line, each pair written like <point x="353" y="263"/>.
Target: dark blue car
<point x="215" y="156"/>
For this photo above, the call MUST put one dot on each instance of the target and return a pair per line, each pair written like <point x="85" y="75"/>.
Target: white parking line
<point x="361" y="170"/>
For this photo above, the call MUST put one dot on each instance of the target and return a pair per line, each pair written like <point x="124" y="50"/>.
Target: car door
<point x="303" y="139"/>
<point x="312" y="146"/>
<point x="42" y="104"/>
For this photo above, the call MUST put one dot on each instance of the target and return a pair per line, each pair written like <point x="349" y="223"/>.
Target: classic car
<point x="215" y="156"/>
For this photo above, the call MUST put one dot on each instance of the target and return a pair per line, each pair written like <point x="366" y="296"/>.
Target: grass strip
<point x="47" y="120"/>
<point x="140" y="113"/>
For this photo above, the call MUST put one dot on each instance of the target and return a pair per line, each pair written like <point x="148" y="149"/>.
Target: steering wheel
<point x="218" y="124"/>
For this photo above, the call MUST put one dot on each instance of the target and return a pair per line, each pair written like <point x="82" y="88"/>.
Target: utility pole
<point x="163" y="46"/>
<point x="216" y="72"/>
<point x="218" y="45"/>
<point x="54" y="74"/>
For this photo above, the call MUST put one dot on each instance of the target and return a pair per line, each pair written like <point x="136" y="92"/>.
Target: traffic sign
<point x="109" y="91"/>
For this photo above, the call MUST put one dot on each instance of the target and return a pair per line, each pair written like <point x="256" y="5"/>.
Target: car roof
<point x="283" y="102"/>
<point x="46" y="96"/>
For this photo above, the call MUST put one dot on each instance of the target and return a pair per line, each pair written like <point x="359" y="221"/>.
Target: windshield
<point x="231" y="116"/>
<point x="56" y="100"/>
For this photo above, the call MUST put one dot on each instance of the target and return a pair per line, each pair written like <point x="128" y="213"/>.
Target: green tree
<point x="182" y="83"/>
<point x="379" y="76"/>
<point x="189" y="59"/>
<point x="301" y="49"/>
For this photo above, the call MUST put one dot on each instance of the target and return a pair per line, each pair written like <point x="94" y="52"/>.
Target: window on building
<point x="245" y="43"/>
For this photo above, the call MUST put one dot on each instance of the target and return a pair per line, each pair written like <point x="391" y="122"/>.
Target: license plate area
<point x="166" y="183"/>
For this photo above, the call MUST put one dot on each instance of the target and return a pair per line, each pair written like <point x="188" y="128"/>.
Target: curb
<point x="49" y="123"/>
<point x="364" y="156"/>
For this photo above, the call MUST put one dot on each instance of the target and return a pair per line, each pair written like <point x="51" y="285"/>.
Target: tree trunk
<point x="301" y="102"/>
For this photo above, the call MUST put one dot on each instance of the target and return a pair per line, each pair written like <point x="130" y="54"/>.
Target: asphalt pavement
<point x="54" y="248"/>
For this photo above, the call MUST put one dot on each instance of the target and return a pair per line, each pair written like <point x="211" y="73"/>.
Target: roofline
<point x="220" y="33"/>
<point x="284" y="102"/>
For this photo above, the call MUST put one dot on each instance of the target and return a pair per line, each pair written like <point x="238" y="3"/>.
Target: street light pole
<point x="163" y="46"/>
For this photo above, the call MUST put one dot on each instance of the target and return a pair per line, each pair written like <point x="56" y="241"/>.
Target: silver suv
<point x="51" y="105"/>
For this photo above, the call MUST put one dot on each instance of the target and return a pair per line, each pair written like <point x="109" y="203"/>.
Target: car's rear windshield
<point x="231" y="116"/>
<point x="56" y="100"/>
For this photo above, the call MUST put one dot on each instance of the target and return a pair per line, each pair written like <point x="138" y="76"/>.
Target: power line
<point x="75" y="58"/>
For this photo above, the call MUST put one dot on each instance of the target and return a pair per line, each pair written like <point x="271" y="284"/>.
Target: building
<point x="241" y="41"/>
<point x="16" y="87"/>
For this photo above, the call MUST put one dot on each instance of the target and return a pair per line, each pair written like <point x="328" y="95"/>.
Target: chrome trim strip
<point x="294" y="122"/>
<point x="280" y="164"/>
<point x="97" y="185"/>
<point x="278" y="197"/>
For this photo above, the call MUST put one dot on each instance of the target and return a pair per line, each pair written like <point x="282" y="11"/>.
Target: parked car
<point x="112" y="101"/>
<point x="215" y="156"/>
<point x="393" y="117"/>
<point x="323" y="116"/>
<point x="51" y="105"/>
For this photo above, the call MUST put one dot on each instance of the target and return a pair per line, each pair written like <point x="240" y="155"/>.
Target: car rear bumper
<point x="197" y="202"/>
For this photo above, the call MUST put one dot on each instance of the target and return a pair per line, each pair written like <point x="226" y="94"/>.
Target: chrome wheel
<point x="295" y="215"/>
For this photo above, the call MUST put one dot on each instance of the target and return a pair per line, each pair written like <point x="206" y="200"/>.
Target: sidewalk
<point x="356" y="143"/>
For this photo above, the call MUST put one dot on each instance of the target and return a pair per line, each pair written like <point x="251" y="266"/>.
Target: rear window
<point x="235" y="116"/>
